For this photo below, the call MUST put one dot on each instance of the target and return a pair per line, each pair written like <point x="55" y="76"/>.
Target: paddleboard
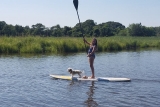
<point x="113" y="79"/>
<point x="63" y="77"/>
<point x="109" y="79"/>
<point x="87" y="79"/>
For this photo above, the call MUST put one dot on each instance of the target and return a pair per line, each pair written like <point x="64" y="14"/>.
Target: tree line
<point x="89" y="28"/>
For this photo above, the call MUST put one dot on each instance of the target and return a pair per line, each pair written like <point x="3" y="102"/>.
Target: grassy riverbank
<point x="67" y="44"/>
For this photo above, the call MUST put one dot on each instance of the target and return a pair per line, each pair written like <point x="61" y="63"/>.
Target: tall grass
<point x="118" y="43"/>
<point x="68" y="44"/>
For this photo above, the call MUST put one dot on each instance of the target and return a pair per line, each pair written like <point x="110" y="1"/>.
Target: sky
<point x="62" y="12"/>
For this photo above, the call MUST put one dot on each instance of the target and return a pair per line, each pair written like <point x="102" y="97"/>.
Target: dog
<point x="73" y="72"/>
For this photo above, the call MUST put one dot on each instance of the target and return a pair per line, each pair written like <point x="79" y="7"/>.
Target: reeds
<point x="67" y="44"/>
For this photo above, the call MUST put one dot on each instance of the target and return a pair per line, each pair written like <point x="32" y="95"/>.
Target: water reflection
<point x="90" y="102"/>
<point x="72" y="82"/>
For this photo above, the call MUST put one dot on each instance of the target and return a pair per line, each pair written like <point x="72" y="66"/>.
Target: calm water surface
<point x="25" y="81"/>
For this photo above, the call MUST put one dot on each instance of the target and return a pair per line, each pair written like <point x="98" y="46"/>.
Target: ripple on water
<point x="26" y="82"/>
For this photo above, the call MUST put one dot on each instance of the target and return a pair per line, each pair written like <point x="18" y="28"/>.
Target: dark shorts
<point x="93" y="56"/>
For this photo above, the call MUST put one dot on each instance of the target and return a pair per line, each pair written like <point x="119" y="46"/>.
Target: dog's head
<point x="70" y="70"/>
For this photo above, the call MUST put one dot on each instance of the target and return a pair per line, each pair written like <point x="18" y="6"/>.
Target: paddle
<point x="75" y="2"/>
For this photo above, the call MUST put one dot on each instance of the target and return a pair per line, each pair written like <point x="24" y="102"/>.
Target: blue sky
<point x="62" y="12"/>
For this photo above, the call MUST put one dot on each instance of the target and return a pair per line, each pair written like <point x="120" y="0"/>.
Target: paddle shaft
<point x="75" y="2"/>
<point x="81" y="28"/>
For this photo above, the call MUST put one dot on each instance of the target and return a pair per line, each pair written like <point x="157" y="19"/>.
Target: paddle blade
<point x="75" y="2"/>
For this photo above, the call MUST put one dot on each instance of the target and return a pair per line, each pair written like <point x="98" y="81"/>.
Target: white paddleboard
<point x="87" y="79"/>
<point x="109" y="79"/>
<point x="113" y="79"/>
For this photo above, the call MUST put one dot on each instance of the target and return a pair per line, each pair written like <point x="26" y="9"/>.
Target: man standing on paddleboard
<point x="91" y="55"/>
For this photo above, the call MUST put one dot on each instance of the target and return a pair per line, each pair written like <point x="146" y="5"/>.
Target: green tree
<point x="123" y="32"/>
<point x="110" y="28"/>
<point x="96" y="31"/>
<point x="135" y="29"/>
<point x="88" y="26"/>
<point x="27" y="30"/>
<point x="148" y="31"/>
<point x="9" y="30"/>
<point x="56" y="31"/>
<point x="139" y="30"/>
<point x="67" y="31"/>
<point x="157" y="31"/>
<point x="2" y="24"/>
<point x="47" y="32"/>
<point x="38" y="29"/>
<point x="19" y="30"/>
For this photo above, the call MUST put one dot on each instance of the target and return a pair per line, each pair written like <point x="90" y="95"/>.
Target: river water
<point x="25" y="81"/>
